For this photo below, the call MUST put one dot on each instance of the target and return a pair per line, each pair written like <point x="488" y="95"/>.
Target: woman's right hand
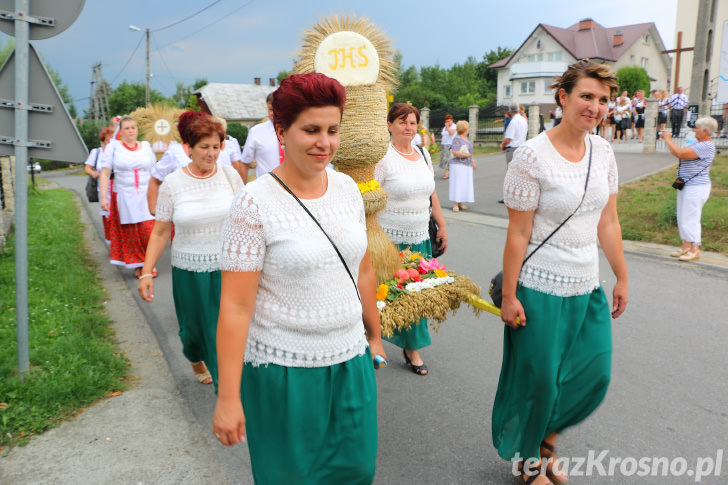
<point x="146" y="289"/>
<point x="105" y="203"/>
<point x="512" y="313"/>
<point x="228" y="422"/>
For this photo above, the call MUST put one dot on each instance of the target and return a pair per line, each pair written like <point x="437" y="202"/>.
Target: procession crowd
<point x="275" y="291"/>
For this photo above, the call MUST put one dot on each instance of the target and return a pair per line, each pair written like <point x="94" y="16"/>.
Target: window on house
<point x="631" y="60"/>
<point x="535" y="57"/>
<point x="644" y="63"/>
<point x="553" y="56"/>
<point x="508" y="91"/>
<point x="546" y="88"/>
<point x="528" y="87"/>
<point x="646" y="38"/>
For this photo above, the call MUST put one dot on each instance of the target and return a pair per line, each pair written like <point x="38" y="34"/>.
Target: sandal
<point x="549" y="453"/>
<point x="155" y="273"/>
<point x="420" y="370"/>
<point x="137" y="272"/>
<point x="530" y="474"/>
<point x="201" y="372"/>
<point x="455" y="208"/>
<point x="463" y="207"/>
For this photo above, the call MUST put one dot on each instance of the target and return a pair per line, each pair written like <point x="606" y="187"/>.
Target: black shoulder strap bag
<point x="496" y="283"/>
<point x="322" y="230"/>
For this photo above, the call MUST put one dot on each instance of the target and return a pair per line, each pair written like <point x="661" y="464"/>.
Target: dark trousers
<point x="676" y="119"/>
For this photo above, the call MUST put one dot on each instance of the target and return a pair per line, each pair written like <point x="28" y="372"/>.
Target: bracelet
<point x="148" y="275"/>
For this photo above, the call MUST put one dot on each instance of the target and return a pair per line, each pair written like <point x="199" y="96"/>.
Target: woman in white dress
<point x="462" y="165"/>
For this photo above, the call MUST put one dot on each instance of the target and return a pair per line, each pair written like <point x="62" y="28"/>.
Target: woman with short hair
<point x="194" y="200"/>
<point x="291" y="321"/>
<point x="462" y="165"/>
<point x="557" y="343"/>
<point x="694" y="169"/>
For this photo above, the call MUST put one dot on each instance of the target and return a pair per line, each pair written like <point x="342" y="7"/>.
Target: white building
<point x="242" y="103"/>
<point x="525" y="76"/>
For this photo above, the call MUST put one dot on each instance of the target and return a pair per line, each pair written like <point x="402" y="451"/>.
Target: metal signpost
<point x="28" y="93"/>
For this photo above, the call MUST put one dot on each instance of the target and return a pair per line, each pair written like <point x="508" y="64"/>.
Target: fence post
<point x="473" y="121"/>
<point x="534" y="122"/>
<point x="650" y="138"/>
<point x="425" y="118"/>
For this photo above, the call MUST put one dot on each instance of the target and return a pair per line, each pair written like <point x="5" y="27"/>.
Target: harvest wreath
<point x="422" y="287"/>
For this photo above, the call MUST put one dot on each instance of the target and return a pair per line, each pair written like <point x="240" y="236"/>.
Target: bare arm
<point x="609" y="232"/>
<point x="520" y="225"/>
<point x="441" y="238"/>
<point x="153" y="194"/>
<point x="242" y="169"/>
<point x="157" y="241"/>
<point x="367" y="283"/>
<point x="686" y="153"/>
<point x="104" y="188"/>
<point x="91" y="172"/>
<point x="237" y="303"/>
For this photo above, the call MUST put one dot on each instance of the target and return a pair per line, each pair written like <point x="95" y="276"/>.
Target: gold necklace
<point x="412" y="150"/>
<point x="202" y="177"/>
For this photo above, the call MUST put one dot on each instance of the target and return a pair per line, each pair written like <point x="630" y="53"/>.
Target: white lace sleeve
<point x="243" y="240"/>
<point x="165" y="204"/>
<point x="612" y="176"/>
<point x="380" y="171"/>
<point x="521" y="189"/>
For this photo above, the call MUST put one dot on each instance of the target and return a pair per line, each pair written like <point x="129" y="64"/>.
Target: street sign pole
<point x="22" y="39"/>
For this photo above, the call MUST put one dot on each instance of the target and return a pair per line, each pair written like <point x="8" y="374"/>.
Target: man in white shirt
<point x="515" y="134"/>
<point x="678" y="102"/>
<point x="262" y="145"/>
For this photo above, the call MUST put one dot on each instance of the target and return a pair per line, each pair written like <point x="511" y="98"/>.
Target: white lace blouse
<point x="539" y="179"/>
<point x="307" y="313"/>
<point x="409" y="185"/>
<point x="198" y="208"/>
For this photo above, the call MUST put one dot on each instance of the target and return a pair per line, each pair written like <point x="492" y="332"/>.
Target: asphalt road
<point x="667" y="396"/>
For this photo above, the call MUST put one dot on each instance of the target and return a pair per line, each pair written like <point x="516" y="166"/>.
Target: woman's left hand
<point x="475" y="165"/>
<point x="619" y="299"/>
<point x="441" y="239"/>
<point x="376" y="347"/>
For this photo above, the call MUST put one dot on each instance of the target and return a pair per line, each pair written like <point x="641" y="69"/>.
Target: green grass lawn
<point x="74" y="359"/>
<point x="647" y="209"/>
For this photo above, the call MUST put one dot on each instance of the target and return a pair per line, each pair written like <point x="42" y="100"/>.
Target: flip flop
<point x="203" y="375"/>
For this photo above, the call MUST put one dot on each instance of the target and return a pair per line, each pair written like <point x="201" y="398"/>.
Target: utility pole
<point x="146" y="32"/>
<point x="99" y="99"/>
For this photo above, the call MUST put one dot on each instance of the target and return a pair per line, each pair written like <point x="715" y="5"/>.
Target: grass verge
<point x="74" y="359"/>
<point x="647" y="209"/>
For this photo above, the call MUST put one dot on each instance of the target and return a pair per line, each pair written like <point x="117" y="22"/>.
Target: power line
<point x="128" y="61"/>
<point x="223" y="17"/>
<point x="186" y="18"/>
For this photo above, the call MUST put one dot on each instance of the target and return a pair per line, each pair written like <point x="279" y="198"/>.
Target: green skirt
<point x="311" y="425"/>
<point x="555" y="370"/>
<point x="418" y="335"/>
<point x="197" y="303"/>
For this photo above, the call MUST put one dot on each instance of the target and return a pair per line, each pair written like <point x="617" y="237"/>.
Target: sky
<point x="235" y="41"/>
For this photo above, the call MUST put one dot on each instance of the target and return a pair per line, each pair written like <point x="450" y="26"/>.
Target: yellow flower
<point x="382" y="292"/>
<point x="440" y="273"/>
<point x="415" y="256"/>
<point x="368" y="186"/>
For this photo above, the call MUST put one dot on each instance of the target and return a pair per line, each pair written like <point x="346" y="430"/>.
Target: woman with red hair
<point x="196" y="199"/>
<point x="294" y="250"/>
<point x="92" y="167"/>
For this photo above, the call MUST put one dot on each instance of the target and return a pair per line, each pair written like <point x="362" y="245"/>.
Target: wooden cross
<point x="677" y="52"/>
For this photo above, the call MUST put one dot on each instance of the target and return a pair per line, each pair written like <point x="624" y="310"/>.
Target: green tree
<point x="127" y="97"/>
<point x="282" y="75"/>
<point x="633" y="78"/>
<point x="90" y="133"/>
<point x="238" y="131"/>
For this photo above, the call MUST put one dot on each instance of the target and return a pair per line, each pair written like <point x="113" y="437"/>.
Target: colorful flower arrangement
<point x="369" y="186"/>
<point x="416" y="275"/>
<point x="421" y="288"/>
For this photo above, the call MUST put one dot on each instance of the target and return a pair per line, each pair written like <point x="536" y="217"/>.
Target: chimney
<point x="272" y="81"/>
<point x="257" y="81"/>
<point x="586" y="24"/>
<point x="618" y="38"/>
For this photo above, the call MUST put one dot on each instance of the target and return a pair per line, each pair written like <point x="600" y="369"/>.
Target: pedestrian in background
<point x="557" y="335"/>
<point x="462" y="165"/>
<point x="678" y="102"/>
<point x="448" y="132"/>
<point x="515" y="134"/>
<point x="694" y="170"/>
<point x="262" y="145"/>
<point x="291" y="321"/>
<point x="130" y="222"/>
<point x="92" y="167"/>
